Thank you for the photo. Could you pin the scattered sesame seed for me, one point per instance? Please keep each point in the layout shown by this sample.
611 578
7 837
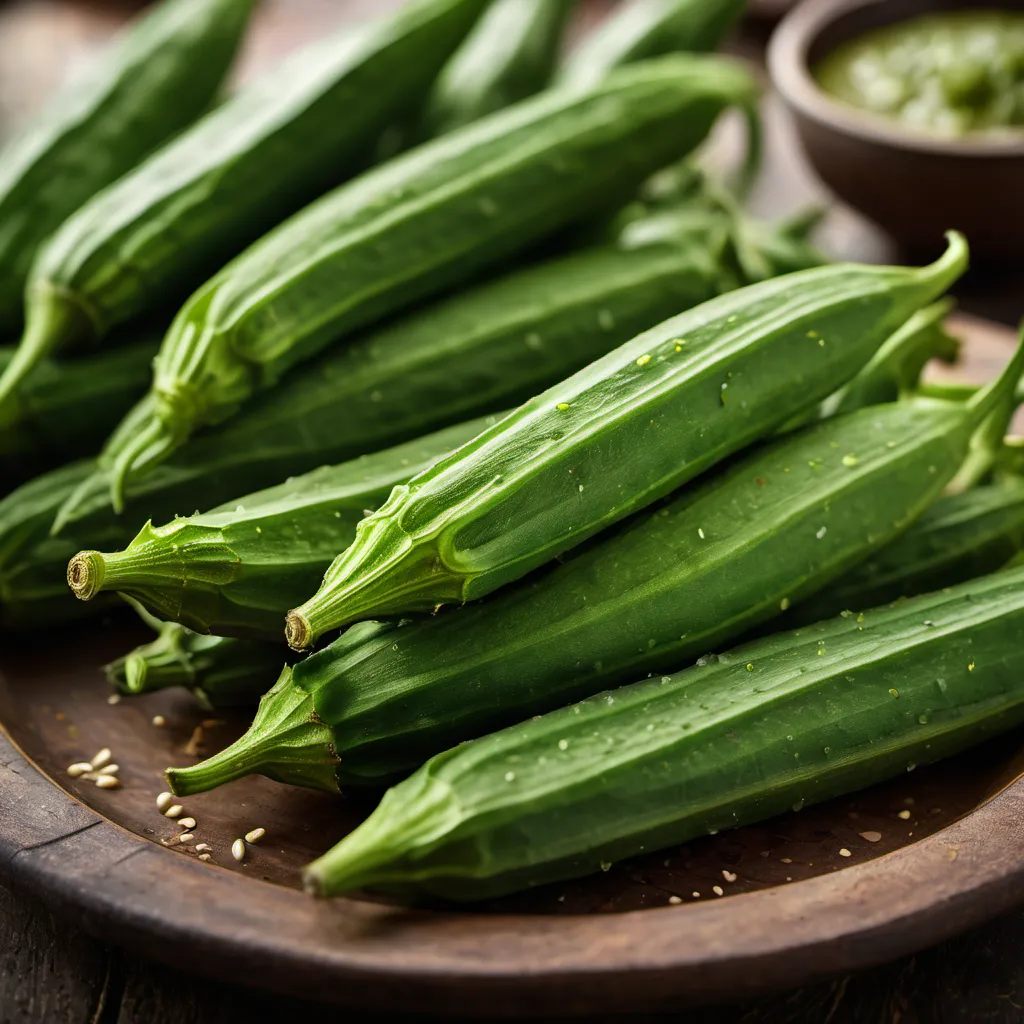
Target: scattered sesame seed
255 835
844 852
164 800
954 852
643 360
728 875
101 759
114 698
238 850
696 895
784 604
905 815
186 837
675 899
700 533
562 406
203 847
174 811
187 823
109 769
871 837
718 890
108 782
79 768
787 860
205 856
159 721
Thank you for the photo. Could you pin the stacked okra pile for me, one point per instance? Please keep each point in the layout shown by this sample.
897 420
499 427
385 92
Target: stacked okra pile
468 360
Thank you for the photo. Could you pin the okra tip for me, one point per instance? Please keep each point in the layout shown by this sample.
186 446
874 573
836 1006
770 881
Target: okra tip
286 742
85 575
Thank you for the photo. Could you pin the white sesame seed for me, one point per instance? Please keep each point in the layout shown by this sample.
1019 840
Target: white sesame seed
109 769
728 875
186 837
203 847
238 850
871 837
718 890
255 835
114 698
844 852
80 768
905 815
675 899
187 823
164 800
205 856
101 758
174 811
159 721
108 782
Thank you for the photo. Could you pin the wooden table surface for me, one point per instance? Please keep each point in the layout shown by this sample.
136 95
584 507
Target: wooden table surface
51 973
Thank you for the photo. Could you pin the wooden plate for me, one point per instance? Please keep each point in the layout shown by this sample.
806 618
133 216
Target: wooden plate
832 889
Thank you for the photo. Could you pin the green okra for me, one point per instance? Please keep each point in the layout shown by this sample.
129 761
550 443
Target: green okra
65 410
770 530
161 230
478 351
960 537
458 204
32 590
236 570
640 29
616 436
159 75
787 721
509 56
220 671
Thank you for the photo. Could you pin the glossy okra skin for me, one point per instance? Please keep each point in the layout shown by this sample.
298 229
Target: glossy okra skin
159 75
771 529
616 436
220 671
960 537
479 351
648 28
509 56
235 571
414 226
161 230
65 410
787 721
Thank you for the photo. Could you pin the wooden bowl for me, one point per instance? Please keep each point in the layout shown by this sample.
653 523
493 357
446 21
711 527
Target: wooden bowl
915 186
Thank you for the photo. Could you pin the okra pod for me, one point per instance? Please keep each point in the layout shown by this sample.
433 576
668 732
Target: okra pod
479 351
617 435
220 671
784 722
640 29
960 537
509 56
65 410
160 231
236 570
460 204
773 528
157 77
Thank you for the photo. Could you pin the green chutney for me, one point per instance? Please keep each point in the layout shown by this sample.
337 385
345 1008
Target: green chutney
956 73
